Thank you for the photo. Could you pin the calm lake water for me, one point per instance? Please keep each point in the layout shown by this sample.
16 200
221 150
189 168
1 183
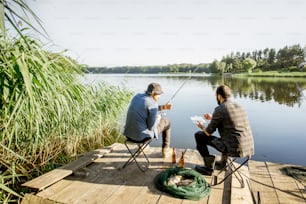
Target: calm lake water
276 108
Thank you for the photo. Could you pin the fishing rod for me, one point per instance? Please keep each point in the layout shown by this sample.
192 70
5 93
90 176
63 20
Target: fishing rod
181 86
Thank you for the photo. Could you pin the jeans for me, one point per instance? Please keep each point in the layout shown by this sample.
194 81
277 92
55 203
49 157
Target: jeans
202 141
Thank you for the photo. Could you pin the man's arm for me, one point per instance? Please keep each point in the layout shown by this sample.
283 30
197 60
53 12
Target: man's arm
202 127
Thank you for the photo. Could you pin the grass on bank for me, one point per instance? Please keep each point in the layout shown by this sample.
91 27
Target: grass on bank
278 74
289 72
47 117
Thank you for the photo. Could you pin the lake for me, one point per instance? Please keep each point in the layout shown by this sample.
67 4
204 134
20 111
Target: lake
276 108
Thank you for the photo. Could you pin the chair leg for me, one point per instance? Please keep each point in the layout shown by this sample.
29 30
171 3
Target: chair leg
134 155
237 174
234 170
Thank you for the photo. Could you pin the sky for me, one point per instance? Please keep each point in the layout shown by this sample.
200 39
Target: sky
160 32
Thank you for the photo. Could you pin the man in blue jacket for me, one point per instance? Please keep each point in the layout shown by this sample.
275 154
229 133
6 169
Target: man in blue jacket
143 119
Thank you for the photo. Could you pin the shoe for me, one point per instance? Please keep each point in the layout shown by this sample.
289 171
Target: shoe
209 161
204 170
166 152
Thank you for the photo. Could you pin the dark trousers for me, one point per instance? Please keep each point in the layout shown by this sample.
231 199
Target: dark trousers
164 129
202 142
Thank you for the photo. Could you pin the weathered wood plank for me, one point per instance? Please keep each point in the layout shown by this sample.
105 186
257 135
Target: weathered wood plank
111 182
58 174
192 158
241 195
261 183
48 179
149 193
286 188
219 193
55 188
33 199
139 186
216 194
82 186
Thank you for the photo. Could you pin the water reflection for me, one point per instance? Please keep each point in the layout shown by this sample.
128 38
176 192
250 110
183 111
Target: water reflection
281 90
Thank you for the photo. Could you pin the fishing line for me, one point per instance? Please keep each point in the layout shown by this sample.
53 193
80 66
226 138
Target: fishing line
182 85
163 113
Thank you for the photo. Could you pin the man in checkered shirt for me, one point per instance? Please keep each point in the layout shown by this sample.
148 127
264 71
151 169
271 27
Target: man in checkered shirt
235 139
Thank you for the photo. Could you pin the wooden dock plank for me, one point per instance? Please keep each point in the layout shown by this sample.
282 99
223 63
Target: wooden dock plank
48 179
286 187
104 186
241 195
108 182
192 158
58 174
216 195
261 183
149 194
219 193
138 183
105 183
84 185
34 199
54 189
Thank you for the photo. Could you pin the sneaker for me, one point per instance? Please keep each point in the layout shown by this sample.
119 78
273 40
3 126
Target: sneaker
204 170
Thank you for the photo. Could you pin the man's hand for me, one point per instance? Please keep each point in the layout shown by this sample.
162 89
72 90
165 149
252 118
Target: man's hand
207 116
200 125
167 106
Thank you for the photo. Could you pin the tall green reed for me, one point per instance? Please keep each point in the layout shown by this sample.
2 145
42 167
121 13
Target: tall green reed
47 115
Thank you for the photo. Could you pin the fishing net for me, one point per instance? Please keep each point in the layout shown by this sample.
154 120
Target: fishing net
182 183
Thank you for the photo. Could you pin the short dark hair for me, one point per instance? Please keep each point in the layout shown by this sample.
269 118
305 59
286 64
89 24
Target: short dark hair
224 91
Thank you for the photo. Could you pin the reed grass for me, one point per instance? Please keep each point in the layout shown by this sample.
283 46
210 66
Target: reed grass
47 116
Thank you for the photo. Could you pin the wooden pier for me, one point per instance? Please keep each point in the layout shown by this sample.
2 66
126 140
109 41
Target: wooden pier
96 178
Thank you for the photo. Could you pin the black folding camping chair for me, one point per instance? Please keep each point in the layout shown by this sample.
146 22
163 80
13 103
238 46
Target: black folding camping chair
233 170
141 145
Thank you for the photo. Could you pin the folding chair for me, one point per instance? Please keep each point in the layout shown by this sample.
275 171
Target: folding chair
141 145
234 170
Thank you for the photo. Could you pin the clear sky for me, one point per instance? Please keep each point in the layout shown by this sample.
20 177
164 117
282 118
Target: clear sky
160 32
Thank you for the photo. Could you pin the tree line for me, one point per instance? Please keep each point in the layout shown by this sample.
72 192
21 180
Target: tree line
154 69
268 59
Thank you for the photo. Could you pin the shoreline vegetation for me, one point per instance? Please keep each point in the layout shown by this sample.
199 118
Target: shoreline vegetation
48 117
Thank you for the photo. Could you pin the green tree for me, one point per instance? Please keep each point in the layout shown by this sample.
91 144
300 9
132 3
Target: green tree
249 64
213 68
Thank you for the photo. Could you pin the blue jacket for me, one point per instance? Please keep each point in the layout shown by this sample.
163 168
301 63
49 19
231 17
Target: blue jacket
141 118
